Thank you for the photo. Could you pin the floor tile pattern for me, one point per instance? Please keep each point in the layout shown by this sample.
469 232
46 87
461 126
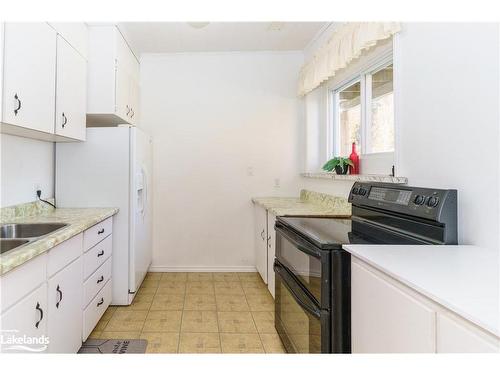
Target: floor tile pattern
197 313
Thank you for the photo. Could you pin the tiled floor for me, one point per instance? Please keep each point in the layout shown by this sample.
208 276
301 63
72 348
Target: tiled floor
197 313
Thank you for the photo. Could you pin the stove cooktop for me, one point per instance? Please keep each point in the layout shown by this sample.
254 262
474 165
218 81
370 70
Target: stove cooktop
332 233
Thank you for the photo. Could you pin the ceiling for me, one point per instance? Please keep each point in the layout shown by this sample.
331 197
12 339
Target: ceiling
168 37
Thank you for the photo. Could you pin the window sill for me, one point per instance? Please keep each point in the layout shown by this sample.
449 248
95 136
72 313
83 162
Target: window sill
356 177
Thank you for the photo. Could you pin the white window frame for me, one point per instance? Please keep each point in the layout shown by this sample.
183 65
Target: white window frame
363 76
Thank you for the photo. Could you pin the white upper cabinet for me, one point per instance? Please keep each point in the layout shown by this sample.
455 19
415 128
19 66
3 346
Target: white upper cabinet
113 73
71 92
76 34
29 76
44 80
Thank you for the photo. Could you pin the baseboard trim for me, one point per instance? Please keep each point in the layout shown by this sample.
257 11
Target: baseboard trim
202 269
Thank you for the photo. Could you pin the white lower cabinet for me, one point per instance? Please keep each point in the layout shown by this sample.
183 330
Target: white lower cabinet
44 298
271 251
26 318
260 240
454 335
386 320
389 317
96 309
65 309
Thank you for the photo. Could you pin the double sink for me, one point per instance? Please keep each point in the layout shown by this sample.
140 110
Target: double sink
13 236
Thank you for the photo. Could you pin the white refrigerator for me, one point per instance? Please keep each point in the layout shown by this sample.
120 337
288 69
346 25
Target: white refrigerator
112 168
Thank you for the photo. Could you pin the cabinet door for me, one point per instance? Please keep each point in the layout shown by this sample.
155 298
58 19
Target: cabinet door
260 220
271 251
385 319
27 317
122 88
71 98
29 75
75 33
65 316
134 100
455 336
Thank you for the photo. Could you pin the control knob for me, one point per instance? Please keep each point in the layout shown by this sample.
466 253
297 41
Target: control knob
432 201
419 200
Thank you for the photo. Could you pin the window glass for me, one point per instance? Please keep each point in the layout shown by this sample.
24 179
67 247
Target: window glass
381 127
349 118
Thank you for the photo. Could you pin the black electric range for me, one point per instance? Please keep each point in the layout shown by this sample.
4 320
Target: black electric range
312 303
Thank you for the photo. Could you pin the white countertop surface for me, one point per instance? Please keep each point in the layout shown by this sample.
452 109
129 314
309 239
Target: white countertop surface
464 279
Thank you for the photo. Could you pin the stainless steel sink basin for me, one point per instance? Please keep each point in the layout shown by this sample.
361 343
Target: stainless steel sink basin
9 244
32 230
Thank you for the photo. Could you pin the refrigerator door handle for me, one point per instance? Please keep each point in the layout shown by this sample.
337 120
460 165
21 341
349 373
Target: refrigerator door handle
145 191
142 192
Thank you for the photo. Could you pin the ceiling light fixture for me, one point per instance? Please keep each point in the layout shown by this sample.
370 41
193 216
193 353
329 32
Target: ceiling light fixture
198 25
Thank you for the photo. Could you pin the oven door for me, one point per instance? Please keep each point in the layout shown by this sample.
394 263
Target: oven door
302 326
309 264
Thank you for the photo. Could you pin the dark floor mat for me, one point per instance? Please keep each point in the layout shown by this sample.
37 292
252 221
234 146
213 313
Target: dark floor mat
113 346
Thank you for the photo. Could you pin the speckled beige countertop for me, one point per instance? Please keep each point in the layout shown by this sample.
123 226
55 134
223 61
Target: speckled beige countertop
79 219
309 203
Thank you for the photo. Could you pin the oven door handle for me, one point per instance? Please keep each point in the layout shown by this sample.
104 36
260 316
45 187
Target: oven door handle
296 240
310 308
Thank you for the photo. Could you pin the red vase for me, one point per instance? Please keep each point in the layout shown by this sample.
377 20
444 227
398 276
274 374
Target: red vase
355 160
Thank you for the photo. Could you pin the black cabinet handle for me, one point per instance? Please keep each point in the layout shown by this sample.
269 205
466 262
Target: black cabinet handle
132 115
65 120
128 109
16 110
58 289
100 302
100 253
262 234
41 314
100 280
101 231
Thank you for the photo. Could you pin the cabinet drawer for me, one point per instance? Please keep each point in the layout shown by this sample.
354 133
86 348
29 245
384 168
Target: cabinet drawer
22 280
96 256
96 281
96 309
63 254
97 233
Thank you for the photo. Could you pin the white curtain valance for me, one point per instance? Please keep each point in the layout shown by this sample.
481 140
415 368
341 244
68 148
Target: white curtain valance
346 44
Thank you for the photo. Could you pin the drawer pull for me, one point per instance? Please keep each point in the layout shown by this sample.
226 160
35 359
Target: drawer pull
100 253
100 280
101 231
41 314
100 302
58 289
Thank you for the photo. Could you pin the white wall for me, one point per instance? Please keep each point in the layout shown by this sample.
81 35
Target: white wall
447 115
25 163
214 116
447 120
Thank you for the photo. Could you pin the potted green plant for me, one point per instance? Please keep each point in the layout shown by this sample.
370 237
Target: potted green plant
339 164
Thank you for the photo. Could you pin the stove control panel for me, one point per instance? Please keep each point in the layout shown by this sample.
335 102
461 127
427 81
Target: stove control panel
426 203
